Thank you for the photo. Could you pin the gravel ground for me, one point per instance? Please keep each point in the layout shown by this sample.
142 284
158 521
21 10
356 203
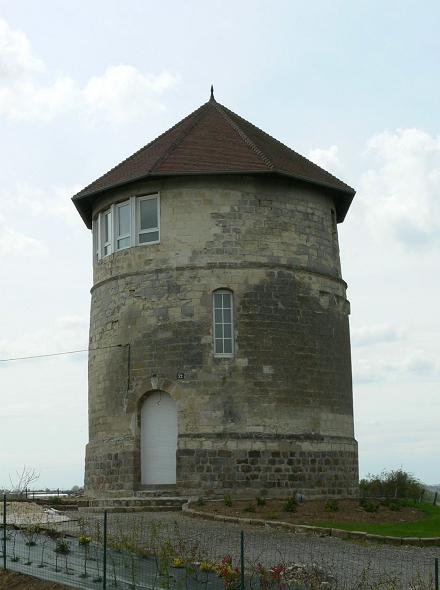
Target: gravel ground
348 561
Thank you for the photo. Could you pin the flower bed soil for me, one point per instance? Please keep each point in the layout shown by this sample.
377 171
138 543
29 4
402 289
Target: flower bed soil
14 581
311 512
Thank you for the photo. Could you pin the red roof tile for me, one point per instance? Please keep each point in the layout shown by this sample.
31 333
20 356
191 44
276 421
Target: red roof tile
213 140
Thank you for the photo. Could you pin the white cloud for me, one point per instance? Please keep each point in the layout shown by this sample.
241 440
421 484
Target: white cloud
16 58
326 158
415 364
367 335
399 192
121 93
14 242
54 202
65 334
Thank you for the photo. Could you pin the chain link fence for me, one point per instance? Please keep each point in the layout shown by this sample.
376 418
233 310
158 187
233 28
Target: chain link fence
155 552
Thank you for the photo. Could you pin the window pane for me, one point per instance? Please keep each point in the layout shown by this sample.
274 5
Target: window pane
150 237
107 226
227 316
227 331
148 214
227 346
124 220
218 316
123 243
217 300
218 331
227 300
219 346
107 249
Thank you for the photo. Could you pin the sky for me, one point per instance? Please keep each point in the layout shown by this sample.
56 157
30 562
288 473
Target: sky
354 86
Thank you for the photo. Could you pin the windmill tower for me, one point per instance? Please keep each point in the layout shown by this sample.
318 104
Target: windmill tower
219 336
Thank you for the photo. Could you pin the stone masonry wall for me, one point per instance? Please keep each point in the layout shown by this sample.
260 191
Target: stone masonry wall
279 414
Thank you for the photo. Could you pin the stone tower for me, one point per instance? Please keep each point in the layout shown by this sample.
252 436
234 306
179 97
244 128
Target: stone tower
219 337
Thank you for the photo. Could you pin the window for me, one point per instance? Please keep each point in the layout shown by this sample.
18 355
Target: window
106 232
223 323
123 225
131 223
148 220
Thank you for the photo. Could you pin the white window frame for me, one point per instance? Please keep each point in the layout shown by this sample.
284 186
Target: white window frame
96 238
135 231
139 199
109 211
223 354
118 236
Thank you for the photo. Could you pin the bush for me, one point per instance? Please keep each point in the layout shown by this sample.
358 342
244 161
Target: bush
331 506
391 484
200 501
291 505
227 500
249 508
368 505
261 501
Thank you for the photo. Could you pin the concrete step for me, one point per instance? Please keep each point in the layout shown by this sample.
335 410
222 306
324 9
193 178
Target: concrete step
135 504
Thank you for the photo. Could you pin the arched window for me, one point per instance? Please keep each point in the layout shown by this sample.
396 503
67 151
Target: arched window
223 323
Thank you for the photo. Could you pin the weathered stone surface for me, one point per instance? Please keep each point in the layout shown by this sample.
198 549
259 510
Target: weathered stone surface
278 416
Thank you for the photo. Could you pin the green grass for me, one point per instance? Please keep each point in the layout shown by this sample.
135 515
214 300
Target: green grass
427 526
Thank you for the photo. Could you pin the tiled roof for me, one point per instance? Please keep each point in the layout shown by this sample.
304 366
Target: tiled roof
213 140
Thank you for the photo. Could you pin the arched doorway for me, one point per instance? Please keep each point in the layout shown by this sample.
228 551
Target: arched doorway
158 439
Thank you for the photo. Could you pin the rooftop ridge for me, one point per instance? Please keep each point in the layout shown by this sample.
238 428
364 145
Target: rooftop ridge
297 154
222 110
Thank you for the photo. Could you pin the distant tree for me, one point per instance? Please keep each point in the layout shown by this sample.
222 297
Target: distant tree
391 484
23 479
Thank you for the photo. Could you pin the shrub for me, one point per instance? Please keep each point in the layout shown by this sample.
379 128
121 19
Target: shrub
200 501
391 484
291 505
62 547
177 562
369 506
227 500
55 500
261 501
331 506
249 508
207 566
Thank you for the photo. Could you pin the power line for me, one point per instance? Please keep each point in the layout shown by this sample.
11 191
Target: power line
39 356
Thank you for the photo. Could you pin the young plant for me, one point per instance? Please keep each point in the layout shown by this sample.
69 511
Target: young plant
61 548
291 505
84 542
228 573
331 506
30 532
227 500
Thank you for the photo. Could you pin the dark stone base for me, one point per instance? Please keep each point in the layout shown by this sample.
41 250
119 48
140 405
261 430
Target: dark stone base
277 466
316 468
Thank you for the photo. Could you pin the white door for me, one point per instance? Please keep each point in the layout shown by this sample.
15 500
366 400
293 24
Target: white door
158 439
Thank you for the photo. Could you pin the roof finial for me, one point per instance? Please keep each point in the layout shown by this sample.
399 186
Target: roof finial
212 93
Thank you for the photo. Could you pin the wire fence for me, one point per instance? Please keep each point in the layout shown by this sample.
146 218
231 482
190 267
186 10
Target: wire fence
144 551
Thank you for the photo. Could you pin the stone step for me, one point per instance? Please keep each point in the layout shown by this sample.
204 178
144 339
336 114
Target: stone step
157 491
135 504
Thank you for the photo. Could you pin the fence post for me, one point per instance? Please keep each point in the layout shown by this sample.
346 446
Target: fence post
104 555
435 499
4 531
241 560
436 573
